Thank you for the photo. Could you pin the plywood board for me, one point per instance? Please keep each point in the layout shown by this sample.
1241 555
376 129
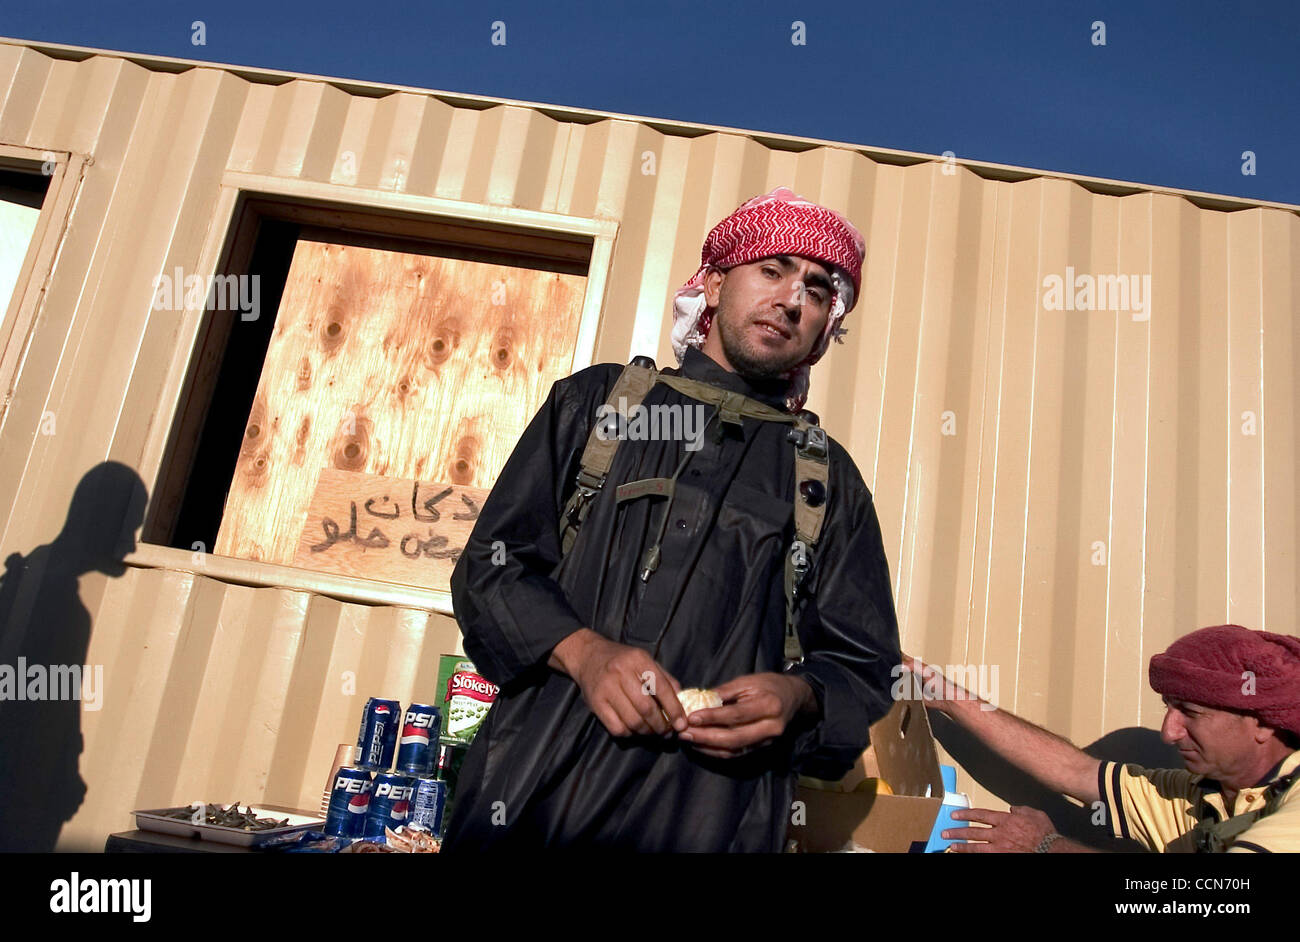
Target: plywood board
393 363
390 529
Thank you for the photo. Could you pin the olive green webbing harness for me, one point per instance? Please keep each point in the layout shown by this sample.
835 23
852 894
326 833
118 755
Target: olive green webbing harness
1212 836
811 473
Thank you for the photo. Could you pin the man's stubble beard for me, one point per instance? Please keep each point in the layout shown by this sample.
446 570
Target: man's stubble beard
741 354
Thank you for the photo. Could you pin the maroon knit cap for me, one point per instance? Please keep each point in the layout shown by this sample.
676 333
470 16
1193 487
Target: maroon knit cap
1207 667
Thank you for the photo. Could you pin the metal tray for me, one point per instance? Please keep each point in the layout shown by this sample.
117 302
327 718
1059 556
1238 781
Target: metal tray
155 820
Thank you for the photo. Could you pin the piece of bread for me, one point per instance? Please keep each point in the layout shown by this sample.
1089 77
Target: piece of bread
696 698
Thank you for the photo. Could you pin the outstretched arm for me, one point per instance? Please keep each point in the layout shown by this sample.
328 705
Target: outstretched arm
1054 761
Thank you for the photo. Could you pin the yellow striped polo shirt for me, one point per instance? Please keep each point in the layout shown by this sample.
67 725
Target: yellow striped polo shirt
1160 807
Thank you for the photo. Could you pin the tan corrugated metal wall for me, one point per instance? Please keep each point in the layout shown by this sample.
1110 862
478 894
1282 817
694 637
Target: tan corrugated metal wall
1008 445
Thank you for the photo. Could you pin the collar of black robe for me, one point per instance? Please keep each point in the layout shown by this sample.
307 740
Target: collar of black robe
701 366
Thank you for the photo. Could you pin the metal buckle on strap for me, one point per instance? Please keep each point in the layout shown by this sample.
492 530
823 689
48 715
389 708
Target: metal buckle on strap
814 443
573 519
811 442
589 486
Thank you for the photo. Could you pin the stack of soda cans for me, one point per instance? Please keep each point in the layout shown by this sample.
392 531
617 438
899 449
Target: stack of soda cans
371 795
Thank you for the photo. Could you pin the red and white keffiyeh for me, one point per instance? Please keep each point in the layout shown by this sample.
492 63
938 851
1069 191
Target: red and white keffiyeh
777 223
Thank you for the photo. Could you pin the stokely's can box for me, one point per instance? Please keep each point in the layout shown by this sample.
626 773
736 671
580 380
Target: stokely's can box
466 699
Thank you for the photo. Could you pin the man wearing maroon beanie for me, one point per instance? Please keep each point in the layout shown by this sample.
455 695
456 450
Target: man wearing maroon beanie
1233 710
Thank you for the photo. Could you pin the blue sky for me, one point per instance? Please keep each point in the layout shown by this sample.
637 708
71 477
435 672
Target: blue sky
1175 96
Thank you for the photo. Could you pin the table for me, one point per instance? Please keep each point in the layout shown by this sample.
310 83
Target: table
151 842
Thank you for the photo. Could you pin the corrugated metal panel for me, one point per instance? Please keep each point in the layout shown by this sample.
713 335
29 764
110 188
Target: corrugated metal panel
1073 434
216 692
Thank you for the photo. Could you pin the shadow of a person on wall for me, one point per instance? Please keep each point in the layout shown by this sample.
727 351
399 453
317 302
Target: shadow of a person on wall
1087 824
45 682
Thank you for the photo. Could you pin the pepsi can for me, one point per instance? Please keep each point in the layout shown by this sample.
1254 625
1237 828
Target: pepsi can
428 801
377 739
389 803
349 801
417 749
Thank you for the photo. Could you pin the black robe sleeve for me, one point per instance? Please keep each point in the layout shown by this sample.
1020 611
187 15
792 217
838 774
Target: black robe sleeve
510 610
849 633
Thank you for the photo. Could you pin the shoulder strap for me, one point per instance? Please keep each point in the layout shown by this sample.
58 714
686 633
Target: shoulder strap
598 455
1211 836
812 480
811 469
631 387
731 405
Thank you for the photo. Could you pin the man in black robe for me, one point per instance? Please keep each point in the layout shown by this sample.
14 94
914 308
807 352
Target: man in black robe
587 745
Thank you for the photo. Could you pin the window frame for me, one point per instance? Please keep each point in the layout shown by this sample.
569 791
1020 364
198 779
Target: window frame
227 247
38 264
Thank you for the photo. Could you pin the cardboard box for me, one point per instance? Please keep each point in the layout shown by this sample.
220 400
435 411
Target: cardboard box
901 753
